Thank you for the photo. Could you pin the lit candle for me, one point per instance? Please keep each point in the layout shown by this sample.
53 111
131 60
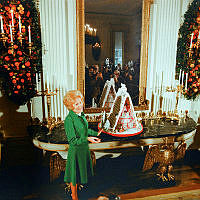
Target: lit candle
29 33
186 79
36 80
20 28
191 40
11 38
2 31
12 17
95 31
182 78
179 80
199 35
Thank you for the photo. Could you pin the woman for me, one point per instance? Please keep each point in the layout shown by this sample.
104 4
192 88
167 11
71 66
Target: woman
79 163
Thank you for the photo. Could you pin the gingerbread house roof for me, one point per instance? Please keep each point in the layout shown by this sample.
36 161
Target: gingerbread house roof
108 94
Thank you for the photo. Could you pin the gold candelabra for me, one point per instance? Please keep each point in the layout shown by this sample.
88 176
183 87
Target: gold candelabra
13 29
48 93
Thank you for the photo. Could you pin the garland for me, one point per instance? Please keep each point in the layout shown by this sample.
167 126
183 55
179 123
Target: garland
18 68
188 51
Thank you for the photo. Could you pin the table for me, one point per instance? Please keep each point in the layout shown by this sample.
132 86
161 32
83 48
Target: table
166 138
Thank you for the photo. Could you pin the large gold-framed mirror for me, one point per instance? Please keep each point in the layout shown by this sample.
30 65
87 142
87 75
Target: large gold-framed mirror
146 4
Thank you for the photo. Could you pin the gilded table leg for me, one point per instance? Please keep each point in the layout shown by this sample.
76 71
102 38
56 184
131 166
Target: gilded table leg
93 157
164 154
56 166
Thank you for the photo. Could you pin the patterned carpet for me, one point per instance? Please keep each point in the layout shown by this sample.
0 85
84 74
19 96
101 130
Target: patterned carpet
185 195
176 193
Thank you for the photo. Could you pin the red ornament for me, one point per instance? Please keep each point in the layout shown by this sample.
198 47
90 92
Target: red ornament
19 53
28 14
10 51
17 64
27 64
28 74
16 92
15 46
11 73
18 87
190 80
22 80
7 58
21 58
7 8
14 81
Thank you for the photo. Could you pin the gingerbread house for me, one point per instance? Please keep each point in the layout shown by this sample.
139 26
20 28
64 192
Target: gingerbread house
108 94
122 120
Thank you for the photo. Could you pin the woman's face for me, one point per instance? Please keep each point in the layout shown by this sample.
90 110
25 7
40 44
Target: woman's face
78 106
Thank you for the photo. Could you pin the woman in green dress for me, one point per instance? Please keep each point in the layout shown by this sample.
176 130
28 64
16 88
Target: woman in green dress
79 163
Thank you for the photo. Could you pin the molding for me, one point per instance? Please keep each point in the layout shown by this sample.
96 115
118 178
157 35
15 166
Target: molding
80 35
144 49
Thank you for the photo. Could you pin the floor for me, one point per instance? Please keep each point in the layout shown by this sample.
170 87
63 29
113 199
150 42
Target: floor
24 175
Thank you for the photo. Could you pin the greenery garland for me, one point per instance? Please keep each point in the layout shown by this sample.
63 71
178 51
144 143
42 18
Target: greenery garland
18 68
187 61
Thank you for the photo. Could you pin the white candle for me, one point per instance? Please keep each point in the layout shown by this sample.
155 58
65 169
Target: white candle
191 40
2 31
29 33
12 18
95 31
186 79
20 28
36 80
199 35
11 38
179 80
182 78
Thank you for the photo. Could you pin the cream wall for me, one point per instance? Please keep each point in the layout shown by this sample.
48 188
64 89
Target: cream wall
104 23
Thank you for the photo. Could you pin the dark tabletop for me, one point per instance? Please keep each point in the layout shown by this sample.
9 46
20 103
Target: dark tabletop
152 128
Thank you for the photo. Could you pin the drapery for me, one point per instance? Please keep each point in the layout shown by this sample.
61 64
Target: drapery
58 28
165 20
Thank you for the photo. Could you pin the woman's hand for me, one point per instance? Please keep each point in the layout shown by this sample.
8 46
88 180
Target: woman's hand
94 139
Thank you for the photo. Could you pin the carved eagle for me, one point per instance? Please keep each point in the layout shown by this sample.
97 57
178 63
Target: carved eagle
164 155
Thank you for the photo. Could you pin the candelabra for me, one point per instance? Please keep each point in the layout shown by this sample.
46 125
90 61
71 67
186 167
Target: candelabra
90 31
12 31
48 94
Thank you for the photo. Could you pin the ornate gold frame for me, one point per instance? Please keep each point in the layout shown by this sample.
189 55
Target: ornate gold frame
144 48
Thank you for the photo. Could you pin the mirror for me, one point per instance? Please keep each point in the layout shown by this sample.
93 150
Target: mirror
137 52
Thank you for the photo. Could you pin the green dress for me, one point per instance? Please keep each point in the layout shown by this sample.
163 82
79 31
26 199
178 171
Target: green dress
79 163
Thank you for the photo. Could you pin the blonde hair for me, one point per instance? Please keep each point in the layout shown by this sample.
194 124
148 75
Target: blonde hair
70 98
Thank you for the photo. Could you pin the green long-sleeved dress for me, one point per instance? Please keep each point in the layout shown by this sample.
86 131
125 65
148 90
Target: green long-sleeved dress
79 163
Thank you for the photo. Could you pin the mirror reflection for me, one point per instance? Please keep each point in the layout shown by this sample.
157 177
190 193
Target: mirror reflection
112 47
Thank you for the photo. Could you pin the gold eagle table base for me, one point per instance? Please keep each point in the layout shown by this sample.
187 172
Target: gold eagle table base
164 154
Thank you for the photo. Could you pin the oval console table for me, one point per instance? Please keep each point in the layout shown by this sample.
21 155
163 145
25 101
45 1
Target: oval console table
166 139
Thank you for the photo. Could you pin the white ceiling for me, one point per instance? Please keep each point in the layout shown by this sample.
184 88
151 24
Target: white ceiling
115 7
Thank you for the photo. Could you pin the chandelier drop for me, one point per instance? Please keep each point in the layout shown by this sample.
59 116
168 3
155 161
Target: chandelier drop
90 31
